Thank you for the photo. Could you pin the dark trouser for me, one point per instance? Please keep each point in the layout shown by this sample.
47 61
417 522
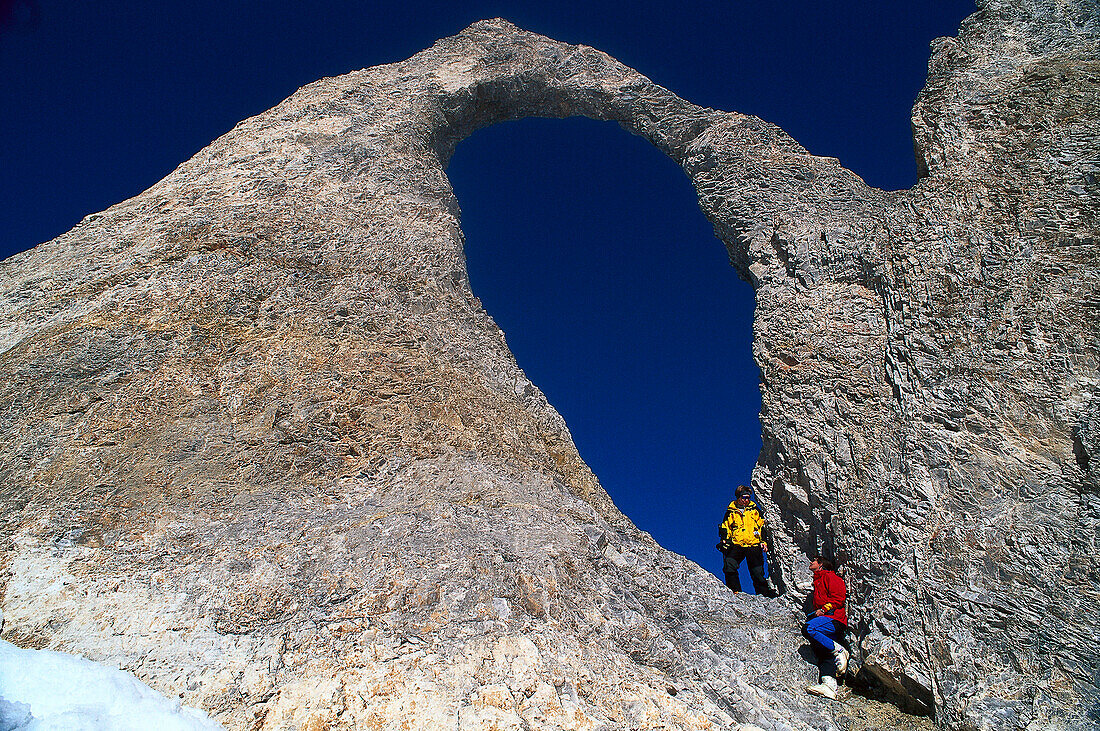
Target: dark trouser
755 557
824 634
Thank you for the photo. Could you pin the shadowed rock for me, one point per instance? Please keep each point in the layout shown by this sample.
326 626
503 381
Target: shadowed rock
263 447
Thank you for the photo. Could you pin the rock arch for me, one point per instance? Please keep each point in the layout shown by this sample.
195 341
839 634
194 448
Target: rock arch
247 404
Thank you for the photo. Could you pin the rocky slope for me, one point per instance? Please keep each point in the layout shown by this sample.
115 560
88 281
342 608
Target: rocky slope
262 446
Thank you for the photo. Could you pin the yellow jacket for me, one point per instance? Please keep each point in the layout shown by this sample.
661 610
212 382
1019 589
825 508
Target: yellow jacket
742 526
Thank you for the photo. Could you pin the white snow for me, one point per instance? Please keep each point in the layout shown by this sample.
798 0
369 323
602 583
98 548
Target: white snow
41 690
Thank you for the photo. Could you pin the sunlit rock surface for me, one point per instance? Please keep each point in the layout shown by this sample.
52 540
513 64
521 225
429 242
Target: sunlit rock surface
263 448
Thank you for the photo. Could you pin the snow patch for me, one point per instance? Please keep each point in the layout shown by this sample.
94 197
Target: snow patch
42 690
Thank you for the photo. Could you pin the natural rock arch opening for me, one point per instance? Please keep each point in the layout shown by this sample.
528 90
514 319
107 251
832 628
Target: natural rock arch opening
491 81
588 249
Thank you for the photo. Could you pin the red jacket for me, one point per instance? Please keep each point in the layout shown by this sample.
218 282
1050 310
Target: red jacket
829 594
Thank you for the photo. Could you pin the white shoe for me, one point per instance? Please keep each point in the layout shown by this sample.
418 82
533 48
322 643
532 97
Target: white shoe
826 688
841 656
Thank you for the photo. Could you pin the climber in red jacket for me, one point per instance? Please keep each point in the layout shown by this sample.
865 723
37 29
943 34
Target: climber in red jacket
826 626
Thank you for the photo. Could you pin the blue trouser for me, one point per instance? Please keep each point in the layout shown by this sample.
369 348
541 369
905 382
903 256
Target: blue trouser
824 634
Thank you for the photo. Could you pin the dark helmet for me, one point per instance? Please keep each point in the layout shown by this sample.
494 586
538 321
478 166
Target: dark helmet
743 491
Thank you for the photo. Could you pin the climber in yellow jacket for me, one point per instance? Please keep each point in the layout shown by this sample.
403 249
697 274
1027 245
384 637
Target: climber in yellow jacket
740 539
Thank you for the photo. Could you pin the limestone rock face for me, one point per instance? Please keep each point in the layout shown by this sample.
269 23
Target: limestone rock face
263 447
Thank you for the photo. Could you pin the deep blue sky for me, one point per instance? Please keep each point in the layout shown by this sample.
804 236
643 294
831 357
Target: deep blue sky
584 243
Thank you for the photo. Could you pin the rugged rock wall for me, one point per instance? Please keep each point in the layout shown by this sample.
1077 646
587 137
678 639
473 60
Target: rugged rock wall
263 446
928 418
